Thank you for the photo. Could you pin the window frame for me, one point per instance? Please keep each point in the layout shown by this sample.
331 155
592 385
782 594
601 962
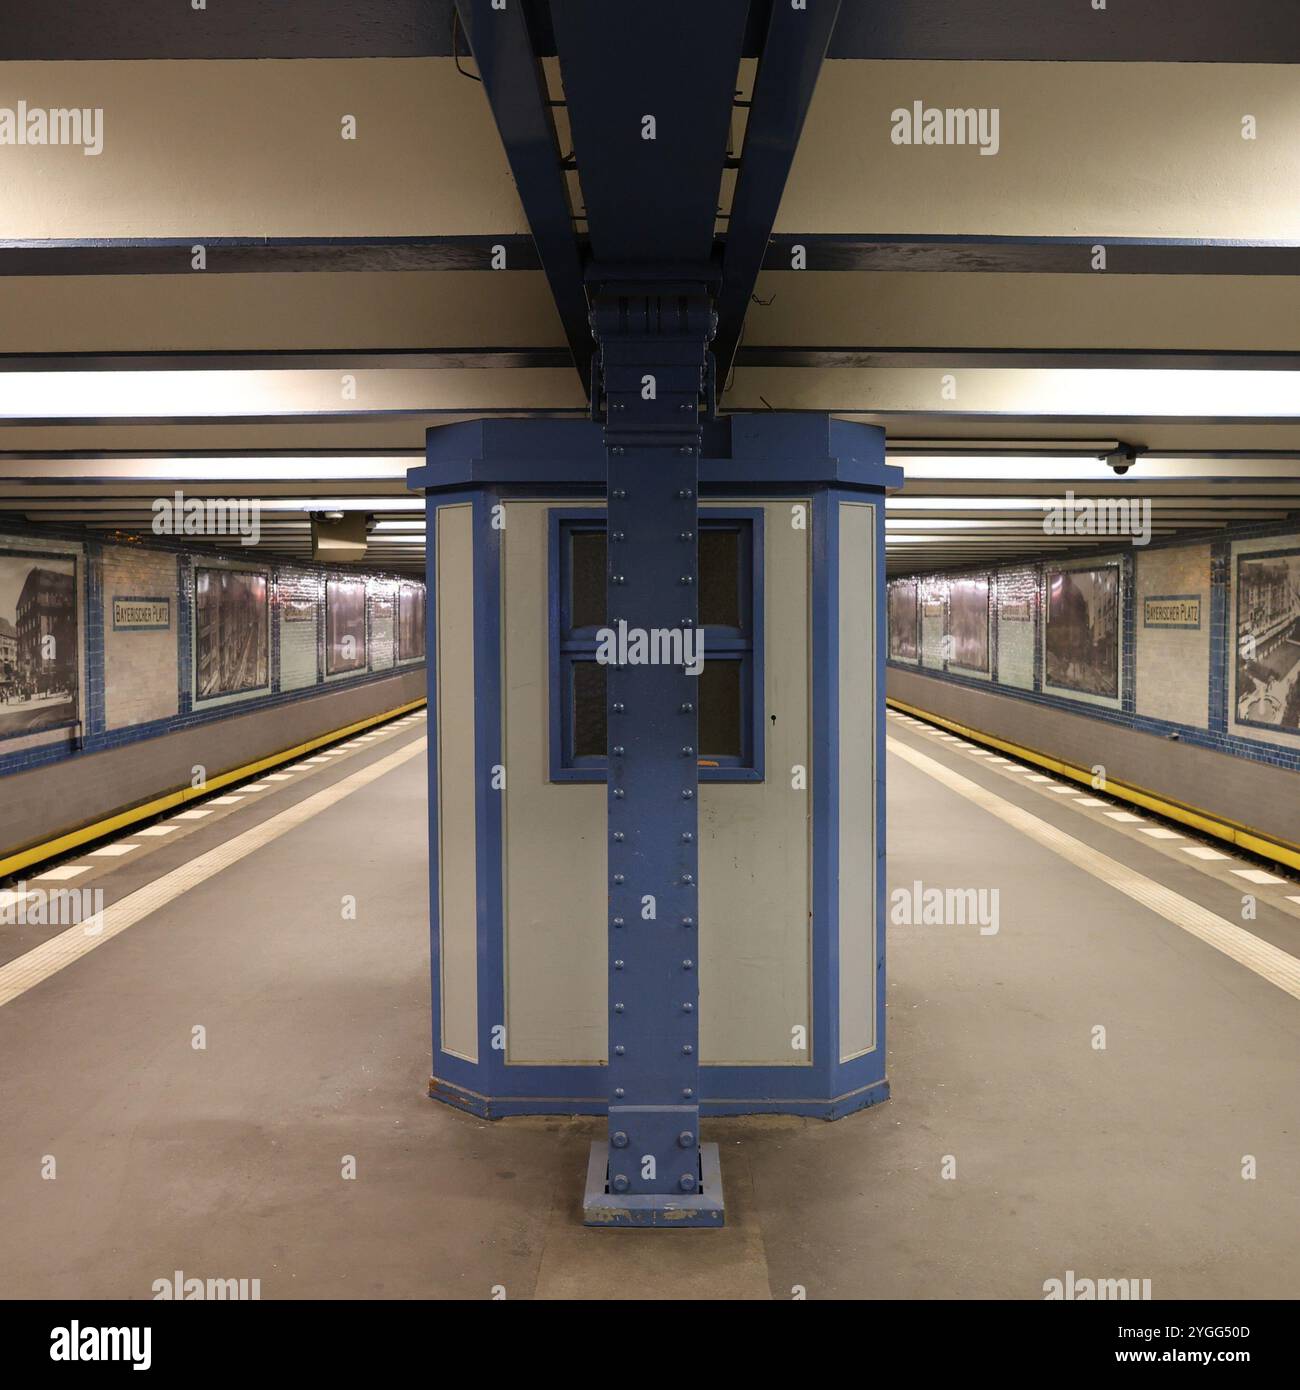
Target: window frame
565 646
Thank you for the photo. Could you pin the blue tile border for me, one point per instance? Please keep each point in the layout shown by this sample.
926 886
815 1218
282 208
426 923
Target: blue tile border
1216 737
92 735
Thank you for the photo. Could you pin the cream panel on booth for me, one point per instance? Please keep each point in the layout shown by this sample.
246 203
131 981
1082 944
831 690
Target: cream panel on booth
457 877
755 862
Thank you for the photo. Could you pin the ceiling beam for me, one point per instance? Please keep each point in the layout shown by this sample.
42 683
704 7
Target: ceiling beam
1209 31
1042 255
515 86
783 87
650 92
760 180
1155 31
233 255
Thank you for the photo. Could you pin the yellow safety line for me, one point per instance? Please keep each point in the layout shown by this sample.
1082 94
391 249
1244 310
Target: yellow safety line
1255 841
51 849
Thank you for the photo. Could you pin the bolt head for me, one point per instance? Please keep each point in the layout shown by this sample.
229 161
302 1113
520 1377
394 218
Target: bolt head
686 1138
618 1139
686 1182
619 1184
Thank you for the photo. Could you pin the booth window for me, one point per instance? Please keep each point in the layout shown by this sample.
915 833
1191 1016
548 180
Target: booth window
730 700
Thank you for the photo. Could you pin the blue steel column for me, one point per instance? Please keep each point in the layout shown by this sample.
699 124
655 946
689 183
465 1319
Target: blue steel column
653 351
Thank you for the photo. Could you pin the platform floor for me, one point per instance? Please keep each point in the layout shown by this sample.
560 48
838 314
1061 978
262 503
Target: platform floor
226 1160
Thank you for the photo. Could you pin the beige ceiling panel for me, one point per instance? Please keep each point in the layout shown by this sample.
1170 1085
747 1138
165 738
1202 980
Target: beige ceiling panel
239 148
1083 149
976 310
292 312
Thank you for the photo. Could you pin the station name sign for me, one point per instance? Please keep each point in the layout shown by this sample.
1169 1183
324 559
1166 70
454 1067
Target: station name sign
1177 610
141 614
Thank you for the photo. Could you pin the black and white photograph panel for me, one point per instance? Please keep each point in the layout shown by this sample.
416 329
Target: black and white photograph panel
1267 665
968 624
231 639
410 622
903 617
1083 630
38 642
345 626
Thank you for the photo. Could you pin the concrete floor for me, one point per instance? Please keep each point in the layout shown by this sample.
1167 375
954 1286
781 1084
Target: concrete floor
227 1162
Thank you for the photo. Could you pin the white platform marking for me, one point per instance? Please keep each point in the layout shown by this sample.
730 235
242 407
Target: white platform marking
113 851
51 956
1264 959
1202 852
62 873
1258 876
156 830
1126 816
1158 832
197 814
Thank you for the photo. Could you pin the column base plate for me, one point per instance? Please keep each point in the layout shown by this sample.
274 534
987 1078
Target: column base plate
601 1207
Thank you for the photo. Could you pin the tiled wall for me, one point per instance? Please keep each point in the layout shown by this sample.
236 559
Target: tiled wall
1014 606
301 599
1176 656
137 661
1172 677
140 683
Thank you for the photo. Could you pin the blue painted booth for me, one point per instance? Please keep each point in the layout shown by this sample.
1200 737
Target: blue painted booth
790 919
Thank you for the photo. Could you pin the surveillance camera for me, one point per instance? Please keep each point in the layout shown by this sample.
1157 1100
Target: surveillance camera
1123 458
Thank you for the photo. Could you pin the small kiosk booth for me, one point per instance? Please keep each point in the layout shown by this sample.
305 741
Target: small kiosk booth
786 973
